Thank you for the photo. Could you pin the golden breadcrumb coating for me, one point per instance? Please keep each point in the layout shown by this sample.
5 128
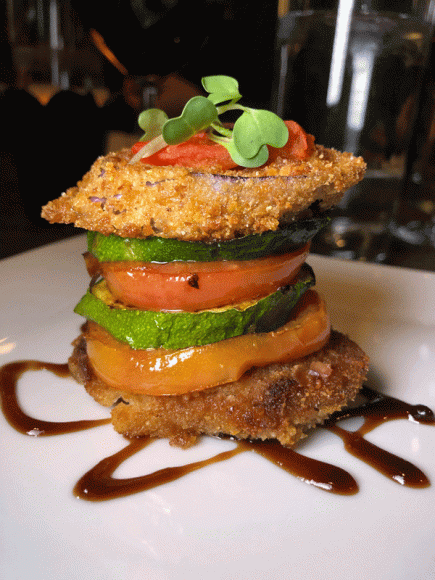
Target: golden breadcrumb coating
279 401
139 200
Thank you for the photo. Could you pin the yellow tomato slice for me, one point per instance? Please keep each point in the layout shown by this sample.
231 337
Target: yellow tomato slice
174 372
193 286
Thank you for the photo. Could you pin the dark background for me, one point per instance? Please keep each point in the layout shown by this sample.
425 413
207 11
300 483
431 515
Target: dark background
46 149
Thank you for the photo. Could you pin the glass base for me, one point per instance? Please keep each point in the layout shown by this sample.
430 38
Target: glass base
351 240
414 222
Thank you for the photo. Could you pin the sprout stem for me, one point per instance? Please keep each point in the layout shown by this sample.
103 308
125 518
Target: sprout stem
149 149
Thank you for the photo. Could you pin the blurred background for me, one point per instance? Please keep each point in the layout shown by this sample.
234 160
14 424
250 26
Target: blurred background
75 74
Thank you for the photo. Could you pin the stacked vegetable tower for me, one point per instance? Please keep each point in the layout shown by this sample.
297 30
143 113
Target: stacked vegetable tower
201 317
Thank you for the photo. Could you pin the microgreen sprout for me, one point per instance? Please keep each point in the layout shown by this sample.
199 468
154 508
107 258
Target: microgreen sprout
246 142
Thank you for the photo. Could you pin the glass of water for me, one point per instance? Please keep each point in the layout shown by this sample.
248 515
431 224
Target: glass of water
351 73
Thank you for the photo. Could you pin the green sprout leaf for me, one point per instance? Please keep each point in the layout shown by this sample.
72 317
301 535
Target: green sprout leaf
198 114
246 142
221 89
151 121
256 161
256 128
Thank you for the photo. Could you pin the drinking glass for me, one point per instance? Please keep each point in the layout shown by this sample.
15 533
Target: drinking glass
351 73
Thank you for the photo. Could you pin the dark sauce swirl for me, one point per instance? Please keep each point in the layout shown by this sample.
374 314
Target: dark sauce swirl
98 483
9 376
377 410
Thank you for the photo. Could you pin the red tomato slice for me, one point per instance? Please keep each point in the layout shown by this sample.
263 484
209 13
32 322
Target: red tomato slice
174 372
300 144
193 286
198 152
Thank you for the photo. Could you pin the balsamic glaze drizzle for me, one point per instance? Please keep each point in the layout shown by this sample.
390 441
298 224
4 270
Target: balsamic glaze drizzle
98 484
9 376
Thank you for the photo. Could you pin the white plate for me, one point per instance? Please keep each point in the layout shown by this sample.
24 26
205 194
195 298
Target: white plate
240 519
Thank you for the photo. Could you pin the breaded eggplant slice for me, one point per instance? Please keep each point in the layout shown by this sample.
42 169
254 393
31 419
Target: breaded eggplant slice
139 200
280 401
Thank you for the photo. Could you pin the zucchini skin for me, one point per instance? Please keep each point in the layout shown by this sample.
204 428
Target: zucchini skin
113 248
